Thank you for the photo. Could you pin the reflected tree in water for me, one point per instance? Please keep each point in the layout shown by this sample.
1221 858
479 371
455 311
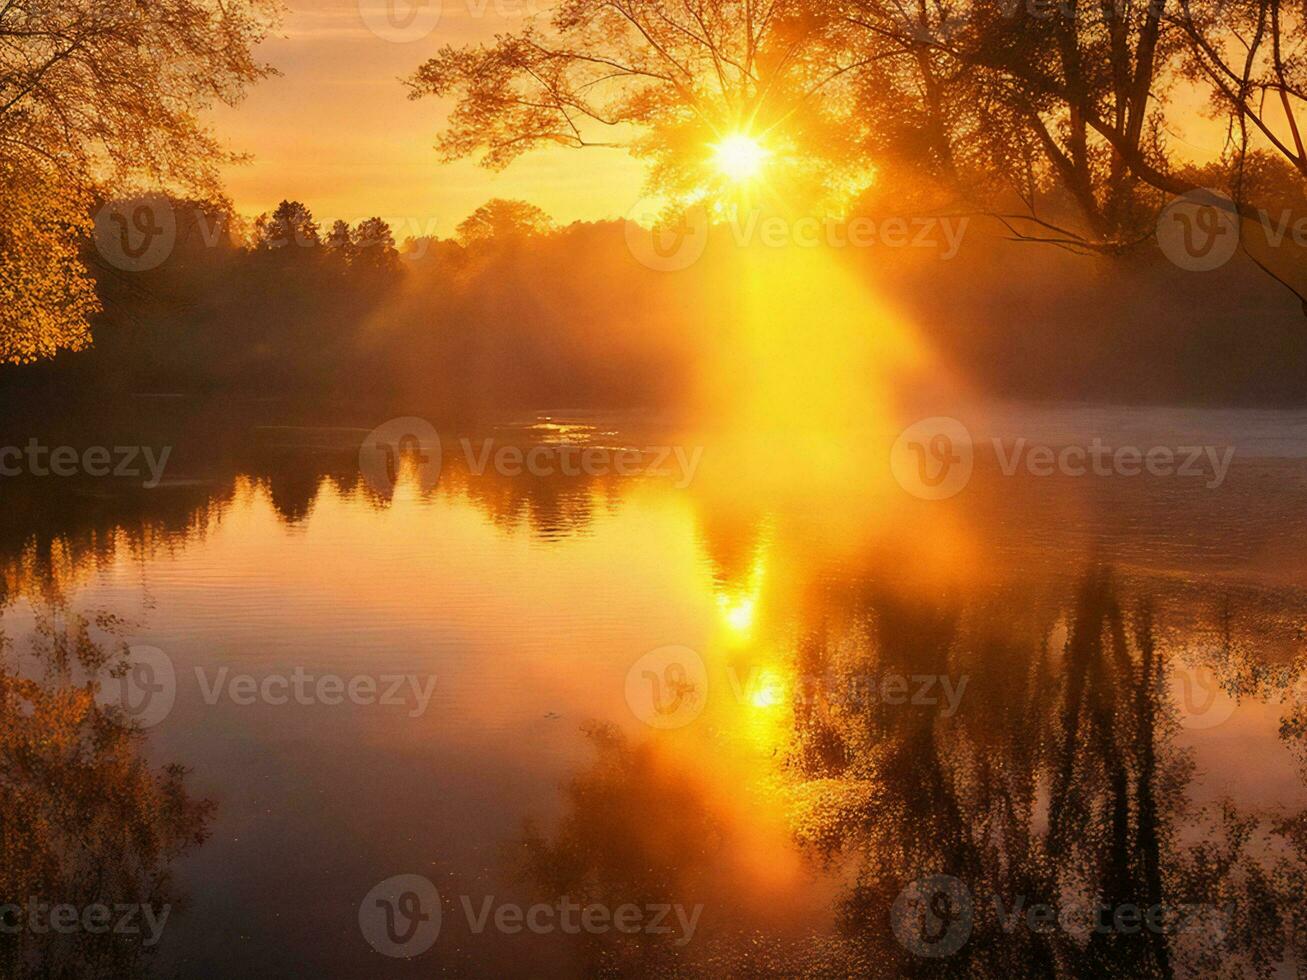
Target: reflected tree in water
636 830
85 819
1058 782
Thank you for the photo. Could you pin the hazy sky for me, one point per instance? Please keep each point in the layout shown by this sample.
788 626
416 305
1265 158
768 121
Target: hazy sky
337 131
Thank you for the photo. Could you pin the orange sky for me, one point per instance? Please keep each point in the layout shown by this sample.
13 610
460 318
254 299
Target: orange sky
337 131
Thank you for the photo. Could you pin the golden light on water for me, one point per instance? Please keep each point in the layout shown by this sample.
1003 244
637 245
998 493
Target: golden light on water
770 691
740 157
739 613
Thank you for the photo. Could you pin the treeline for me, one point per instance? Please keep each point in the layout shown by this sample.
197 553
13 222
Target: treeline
511 314
266 310
515 313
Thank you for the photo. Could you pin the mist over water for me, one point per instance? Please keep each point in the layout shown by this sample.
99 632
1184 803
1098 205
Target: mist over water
876 678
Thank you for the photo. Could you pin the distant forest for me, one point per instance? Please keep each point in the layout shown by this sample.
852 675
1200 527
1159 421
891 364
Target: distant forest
514 312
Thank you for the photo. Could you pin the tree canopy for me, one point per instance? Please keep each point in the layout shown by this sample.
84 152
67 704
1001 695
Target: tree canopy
1053 118
100 96
500 219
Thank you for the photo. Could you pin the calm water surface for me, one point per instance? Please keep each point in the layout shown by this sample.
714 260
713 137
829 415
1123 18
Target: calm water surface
1060 690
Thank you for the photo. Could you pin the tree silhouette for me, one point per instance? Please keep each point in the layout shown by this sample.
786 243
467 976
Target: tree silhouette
503 220
1057 782
1048 118
102 96
340 242
291 224
375 255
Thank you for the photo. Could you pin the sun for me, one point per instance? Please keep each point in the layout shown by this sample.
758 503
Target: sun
740 157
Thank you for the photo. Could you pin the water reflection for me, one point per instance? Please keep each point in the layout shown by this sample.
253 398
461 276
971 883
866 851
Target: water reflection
1029 760
89 826
1058 782
1000 696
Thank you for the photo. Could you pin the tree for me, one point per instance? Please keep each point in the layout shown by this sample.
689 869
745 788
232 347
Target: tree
46 299
679 77
374 248
502 220
85 816
104 96
290 224
1049 117
966 93
1028 108
339 241
1247 54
